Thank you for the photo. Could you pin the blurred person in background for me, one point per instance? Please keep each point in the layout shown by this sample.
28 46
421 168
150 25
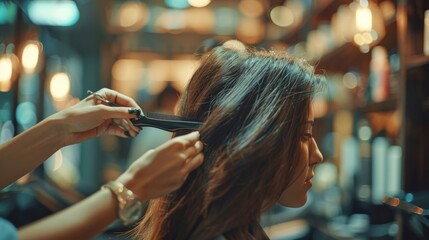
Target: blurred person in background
165 102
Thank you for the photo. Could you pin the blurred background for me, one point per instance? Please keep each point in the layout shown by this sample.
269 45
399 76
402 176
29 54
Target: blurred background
371 123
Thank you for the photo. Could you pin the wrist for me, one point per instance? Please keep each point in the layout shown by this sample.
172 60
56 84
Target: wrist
58 127
129 208
135 184
55 131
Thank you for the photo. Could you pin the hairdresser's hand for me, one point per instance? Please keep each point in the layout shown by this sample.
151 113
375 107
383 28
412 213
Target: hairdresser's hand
164 169
90 118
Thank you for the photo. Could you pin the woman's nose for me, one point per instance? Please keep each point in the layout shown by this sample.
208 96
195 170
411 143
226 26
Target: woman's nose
316 155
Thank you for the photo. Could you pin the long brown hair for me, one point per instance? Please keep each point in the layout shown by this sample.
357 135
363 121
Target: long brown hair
253 104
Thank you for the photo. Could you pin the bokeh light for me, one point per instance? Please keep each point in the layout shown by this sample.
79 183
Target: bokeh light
133 16
60 86
180 4
26 114
53 13
127 75
250 30
282 16
251 8
194 16
350 80
31 56
172 21
5 71
9 70
7 131
199 3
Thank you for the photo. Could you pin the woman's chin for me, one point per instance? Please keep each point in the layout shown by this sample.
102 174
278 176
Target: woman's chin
295 203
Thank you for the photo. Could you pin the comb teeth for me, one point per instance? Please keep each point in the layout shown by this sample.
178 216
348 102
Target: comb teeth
166 122
162 116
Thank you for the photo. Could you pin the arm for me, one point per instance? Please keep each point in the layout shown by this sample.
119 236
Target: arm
83 121
26 151
156 173
83 220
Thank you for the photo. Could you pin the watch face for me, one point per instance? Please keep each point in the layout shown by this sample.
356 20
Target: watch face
131 212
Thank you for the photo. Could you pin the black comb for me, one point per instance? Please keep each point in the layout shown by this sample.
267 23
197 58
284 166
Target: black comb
171 123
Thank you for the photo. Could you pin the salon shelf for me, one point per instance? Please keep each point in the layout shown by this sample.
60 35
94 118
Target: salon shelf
384 106
347 56
417 61
318 15
341 59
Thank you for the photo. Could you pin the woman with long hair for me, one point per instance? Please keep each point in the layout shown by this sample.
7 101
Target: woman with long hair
259 150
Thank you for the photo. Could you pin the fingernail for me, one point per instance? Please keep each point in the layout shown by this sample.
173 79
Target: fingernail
127 133
199 146
134 111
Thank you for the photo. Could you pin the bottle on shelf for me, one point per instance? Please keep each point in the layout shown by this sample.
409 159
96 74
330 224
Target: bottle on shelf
379 74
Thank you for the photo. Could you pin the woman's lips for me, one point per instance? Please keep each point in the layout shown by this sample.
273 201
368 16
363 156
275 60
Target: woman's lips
308 182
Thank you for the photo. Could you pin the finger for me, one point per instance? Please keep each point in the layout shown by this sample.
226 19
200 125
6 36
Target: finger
134 128
118 98
189 139
114 129
121 116
194 163
127 126
122 123
180 143
191 151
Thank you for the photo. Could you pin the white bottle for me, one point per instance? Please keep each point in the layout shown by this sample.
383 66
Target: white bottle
379 74
393 171
379 152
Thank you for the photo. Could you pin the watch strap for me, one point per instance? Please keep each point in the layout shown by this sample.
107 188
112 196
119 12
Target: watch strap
123 195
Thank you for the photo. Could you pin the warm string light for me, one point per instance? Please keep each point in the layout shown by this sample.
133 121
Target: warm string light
199 3
9 68
5 69
369 24
31 57
363 17
59 86
30 63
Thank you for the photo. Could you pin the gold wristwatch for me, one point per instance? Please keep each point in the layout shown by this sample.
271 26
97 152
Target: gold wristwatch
130 208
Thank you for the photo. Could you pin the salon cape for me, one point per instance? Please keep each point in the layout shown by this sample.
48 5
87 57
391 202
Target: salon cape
7 230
